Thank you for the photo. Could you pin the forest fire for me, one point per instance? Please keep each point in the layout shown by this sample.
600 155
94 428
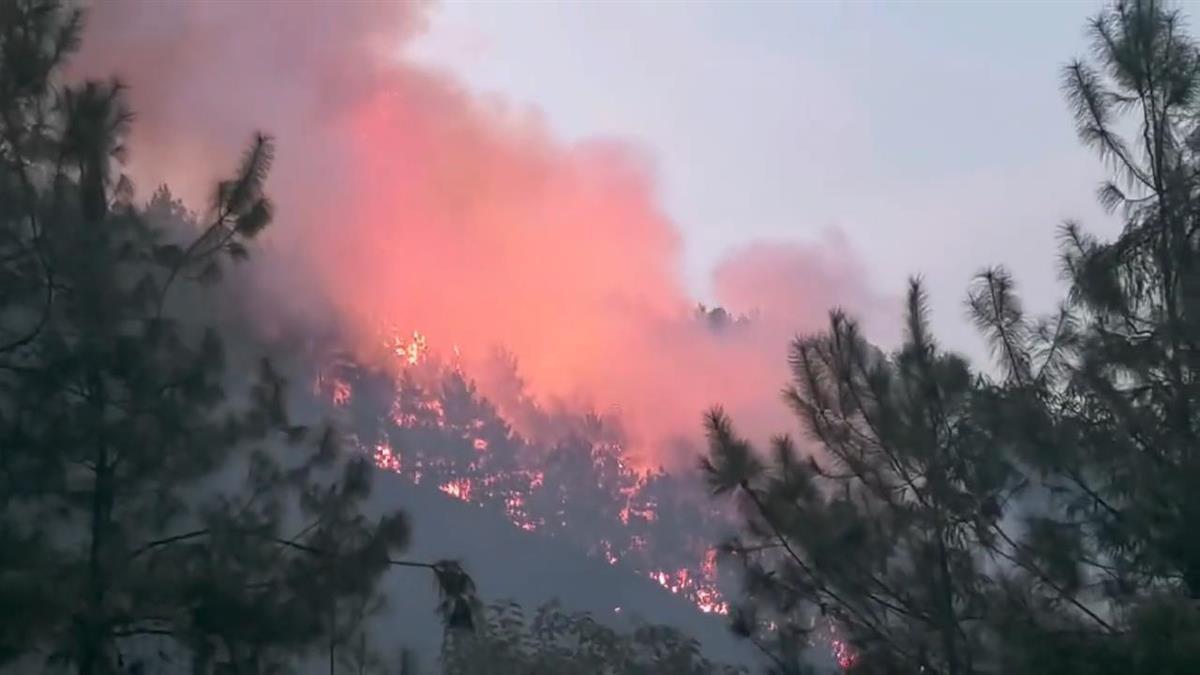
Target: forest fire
423 419
459 489
842 653
411 351
706 598
559 251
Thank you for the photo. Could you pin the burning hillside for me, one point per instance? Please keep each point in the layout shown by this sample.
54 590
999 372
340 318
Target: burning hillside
568 477
404 199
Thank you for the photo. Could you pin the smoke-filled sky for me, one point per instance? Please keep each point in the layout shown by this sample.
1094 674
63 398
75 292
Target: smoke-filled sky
933 134
566 180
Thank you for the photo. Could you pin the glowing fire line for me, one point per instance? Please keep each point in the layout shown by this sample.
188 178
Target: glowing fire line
698 585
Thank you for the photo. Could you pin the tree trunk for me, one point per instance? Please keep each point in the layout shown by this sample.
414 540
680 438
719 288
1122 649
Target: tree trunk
94 628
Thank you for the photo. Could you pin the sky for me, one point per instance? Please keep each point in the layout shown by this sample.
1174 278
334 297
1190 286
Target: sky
932 135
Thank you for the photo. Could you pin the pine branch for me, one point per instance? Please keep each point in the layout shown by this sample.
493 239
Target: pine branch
995 311
134 632
1045 578
240 200
1080 84
159 543
31 199
849 607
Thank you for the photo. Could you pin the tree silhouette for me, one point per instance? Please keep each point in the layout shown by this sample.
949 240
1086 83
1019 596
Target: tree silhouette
157 509
883 532
1038 521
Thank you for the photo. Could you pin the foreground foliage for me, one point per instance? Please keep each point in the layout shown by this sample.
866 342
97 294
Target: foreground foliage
159 509
1038 521
554 641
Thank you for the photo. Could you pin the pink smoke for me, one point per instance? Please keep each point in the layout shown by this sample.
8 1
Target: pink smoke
407 201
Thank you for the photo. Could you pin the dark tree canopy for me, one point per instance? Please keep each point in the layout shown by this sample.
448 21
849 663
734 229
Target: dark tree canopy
162 509
159 510
1040 520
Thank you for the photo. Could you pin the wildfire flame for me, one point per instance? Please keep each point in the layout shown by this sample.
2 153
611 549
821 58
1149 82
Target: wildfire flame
411 351
701 588
459 489
461 443
469 427
842 652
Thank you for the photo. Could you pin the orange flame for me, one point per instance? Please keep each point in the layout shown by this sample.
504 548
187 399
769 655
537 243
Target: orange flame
459 489
521 492
411 352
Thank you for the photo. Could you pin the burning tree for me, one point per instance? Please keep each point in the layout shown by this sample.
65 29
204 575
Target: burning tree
155 505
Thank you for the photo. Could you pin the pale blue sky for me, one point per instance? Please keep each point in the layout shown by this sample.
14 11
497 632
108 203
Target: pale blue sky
933 134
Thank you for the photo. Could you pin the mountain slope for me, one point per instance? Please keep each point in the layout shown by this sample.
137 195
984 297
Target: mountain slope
509 563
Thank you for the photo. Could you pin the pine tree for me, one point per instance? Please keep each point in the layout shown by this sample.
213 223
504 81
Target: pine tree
157 510
1037 521
882 528
1115 447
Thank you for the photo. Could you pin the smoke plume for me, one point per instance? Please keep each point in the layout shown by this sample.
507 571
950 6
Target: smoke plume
408 203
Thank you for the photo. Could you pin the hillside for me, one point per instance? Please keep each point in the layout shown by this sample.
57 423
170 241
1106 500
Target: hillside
530 568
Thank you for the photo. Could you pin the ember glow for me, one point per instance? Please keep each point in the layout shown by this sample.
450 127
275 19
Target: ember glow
410 351
434 425
841 650
702 592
